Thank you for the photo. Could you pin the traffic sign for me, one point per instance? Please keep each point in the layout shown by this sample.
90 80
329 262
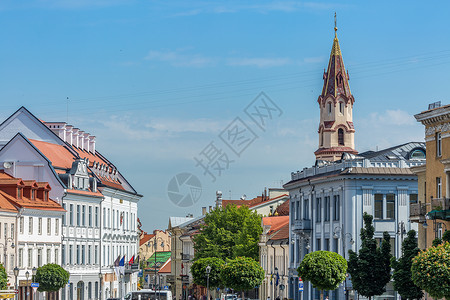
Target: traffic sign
35 284
166 287
16 291
34 289
300 286
141 273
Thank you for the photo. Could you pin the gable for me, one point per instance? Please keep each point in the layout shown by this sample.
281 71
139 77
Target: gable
25 122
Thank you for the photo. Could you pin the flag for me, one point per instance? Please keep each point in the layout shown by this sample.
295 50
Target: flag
116 266
122 265
277 279
131 261
137 260
271 278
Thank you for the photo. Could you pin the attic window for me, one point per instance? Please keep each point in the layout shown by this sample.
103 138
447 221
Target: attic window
19 193
33 194
417 154
45 195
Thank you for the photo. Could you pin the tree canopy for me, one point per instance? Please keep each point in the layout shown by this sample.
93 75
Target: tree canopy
242 274
228 233
198 270
431 270
3 278
324 269
51 278
402 269
370 268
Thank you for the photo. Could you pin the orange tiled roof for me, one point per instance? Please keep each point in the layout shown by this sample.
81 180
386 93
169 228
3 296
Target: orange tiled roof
5 205
59 155
275 223
145 239
167 267
81 192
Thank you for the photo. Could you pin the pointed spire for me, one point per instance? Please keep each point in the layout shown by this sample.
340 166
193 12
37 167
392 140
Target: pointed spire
336 78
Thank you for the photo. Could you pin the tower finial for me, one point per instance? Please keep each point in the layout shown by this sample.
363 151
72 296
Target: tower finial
335 25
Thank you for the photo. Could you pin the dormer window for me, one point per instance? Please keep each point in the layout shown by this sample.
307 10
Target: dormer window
19 193
33 194
45 195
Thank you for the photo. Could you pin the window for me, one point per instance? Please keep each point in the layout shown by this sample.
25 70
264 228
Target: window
40 226
391 242
378 213
63 254
21 258
96 290
70 254
12 230
96 216
5 227
417 154
341 136
413 198
336 208
89 254
438 144
327 245
71 214
64 215
321 138
78 215
56 256
318 245
21 225
78 254
306 209
30 225
341 107
327 208
336 245
45 195
104 217
49 255
96 254
318 210
114 218
49 226
109 218
39 257
390 206
19 193
30 258
438 187
90 216
90 290
83 215
33 194
57 227
329 108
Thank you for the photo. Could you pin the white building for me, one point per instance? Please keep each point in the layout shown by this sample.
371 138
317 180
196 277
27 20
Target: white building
101 219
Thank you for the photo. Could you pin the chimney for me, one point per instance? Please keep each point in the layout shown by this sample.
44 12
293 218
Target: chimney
204 210
75 137
69 132
92 144
81 139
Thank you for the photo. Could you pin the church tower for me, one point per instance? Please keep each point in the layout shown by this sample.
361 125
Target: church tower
336 131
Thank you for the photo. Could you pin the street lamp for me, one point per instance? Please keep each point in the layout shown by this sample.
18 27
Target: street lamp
27 274
100 277
5 247
33 271
338 229
16 273
208 271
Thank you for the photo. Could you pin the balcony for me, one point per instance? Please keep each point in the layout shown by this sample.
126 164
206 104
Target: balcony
301 225
417 212
440 204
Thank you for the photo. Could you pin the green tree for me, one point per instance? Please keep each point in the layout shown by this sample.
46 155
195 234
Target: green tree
198 270
51 278
370 268
228 233
241 274
446 236
3 278
436 242
431 270
402 269
324 269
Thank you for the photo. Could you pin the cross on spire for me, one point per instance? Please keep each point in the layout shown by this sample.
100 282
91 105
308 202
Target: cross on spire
335 24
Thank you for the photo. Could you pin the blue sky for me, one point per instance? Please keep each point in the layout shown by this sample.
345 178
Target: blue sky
157 81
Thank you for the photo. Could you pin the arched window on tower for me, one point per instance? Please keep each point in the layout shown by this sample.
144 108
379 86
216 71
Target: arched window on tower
341 107
329 108
341 137
321 138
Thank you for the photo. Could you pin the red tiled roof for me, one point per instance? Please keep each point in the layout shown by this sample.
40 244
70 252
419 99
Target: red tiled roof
283 209
88 193
283 233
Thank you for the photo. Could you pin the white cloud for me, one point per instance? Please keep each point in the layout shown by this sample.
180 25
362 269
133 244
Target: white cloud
180 59
392 117
259 62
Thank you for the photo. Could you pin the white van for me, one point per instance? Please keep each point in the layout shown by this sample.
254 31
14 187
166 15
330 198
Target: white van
228 297
148 294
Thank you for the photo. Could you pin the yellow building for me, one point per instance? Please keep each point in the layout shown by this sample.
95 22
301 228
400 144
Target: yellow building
432 209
